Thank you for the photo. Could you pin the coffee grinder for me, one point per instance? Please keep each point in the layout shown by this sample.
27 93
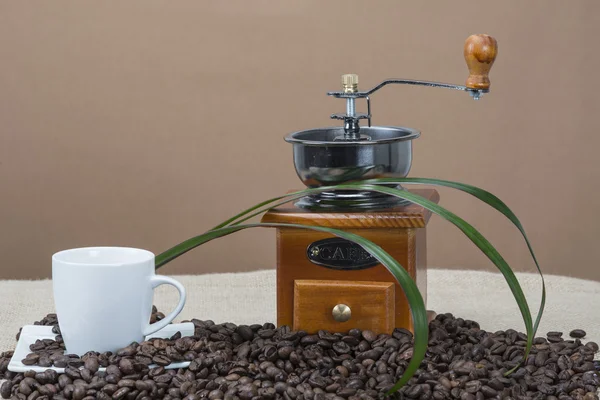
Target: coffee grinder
328 283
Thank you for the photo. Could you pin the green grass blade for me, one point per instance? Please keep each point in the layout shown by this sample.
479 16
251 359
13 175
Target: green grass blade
415 300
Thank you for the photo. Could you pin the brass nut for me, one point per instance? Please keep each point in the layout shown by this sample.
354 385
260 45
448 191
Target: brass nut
341 313
350 83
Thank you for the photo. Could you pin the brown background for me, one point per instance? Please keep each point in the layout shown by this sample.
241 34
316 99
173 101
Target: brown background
142 123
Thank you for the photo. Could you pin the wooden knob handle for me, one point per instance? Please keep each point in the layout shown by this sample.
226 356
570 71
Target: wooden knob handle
480 53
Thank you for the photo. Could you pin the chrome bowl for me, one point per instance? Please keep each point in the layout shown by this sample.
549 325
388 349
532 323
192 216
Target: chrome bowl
325 157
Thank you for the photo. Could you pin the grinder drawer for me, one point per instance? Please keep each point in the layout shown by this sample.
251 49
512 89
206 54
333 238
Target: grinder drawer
338 306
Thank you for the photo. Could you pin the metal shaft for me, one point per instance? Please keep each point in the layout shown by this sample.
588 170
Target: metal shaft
350 107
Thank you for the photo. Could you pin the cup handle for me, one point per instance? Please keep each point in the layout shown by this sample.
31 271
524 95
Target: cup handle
156 281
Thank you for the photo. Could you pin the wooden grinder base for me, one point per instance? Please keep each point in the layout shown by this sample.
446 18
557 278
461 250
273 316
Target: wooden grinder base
307 292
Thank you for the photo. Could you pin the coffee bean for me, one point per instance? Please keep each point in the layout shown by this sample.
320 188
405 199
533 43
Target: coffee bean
245 332
266 333
33 396
44 361
72 372
498 348
545 388
215 394
126 383
414 392
126 351
110 389
30 360
586 366
78 392
126 366
346 392
164 378
110 378
593 346
92 364
119 394
86 375
47 390
341 348
577 333
38 345
61 362
64 380
25 388
161 360
75 362
270 352
363 346
564 362
541 358
473 386
369 336
309 339
284 352
488 391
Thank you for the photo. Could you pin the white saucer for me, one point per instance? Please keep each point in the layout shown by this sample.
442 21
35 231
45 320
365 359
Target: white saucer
31 333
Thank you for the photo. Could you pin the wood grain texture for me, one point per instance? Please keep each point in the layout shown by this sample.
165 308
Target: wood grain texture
372 305
388 229
480 53
293 265
412 216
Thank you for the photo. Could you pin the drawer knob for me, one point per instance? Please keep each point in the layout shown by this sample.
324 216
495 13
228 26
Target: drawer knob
341 313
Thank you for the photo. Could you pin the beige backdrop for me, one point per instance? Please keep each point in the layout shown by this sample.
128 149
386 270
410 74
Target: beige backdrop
142 123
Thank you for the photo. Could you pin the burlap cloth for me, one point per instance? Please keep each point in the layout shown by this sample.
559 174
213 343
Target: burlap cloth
246 298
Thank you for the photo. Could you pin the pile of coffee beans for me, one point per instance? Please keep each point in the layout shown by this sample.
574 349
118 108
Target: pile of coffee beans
48 320
264 362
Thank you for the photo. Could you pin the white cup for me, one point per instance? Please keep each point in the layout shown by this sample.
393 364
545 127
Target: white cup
104 296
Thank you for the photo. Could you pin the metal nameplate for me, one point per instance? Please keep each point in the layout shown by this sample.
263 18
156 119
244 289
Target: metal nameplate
341 254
